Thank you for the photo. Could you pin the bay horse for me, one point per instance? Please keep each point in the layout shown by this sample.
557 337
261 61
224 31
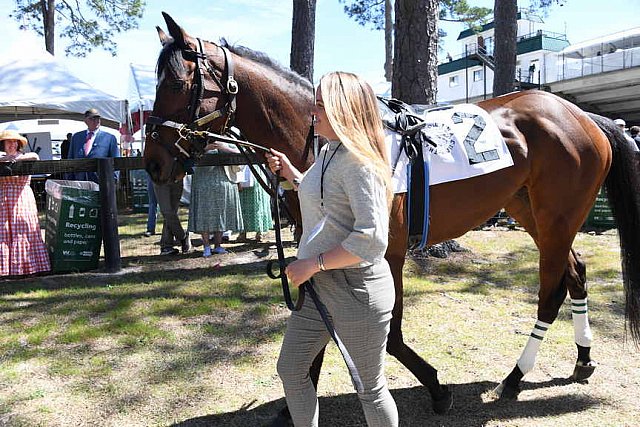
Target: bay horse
562 156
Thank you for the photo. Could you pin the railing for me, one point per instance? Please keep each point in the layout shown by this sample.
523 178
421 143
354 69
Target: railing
569 68
115 196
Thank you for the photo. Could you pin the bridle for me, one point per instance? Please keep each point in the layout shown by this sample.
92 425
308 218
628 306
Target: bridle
194 136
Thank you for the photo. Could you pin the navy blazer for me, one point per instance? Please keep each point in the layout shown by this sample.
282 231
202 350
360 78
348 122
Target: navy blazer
104 145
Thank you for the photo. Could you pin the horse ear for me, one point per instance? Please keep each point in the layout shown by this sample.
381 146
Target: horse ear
178 34
164 38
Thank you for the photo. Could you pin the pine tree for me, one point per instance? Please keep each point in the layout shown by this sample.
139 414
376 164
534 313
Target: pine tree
303 32
87 25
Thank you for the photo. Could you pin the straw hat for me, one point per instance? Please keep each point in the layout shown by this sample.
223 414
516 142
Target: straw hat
12 134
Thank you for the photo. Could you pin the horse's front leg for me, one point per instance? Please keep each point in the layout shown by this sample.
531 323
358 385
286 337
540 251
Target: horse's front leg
395 256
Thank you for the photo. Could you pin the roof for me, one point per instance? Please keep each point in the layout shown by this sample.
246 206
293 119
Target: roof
621 40
35 85
142 87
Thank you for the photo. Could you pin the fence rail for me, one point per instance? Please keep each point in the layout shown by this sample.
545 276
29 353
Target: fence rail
42 170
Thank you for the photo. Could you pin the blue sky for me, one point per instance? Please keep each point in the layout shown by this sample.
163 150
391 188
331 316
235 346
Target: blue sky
265 25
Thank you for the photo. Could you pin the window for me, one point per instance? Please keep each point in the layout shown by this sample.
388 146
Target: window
478 75
454 81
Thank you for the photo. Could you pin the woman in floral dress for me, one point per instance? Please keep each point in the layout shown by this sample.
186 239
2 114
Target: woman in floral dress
215 203
22 250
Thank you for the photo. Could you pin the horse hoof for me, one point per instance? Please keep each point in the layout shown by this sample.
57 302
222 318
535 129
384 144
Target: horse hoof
583 370
507 392
443 404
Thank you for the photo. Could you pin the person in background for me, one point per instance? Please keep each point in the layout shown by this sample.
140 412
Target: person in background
634 132
622 125
64 147
92 143
168 197
126 140
22 250
152 212
215 203
344 200
256 206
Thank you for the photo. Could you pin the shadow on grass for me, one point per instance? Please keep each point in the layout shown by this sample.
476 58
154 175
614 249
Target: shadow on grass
414 408
513 271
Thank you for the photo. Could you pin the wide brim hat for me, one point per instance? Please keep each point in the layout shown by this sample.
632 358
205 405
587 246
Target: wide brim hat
13 134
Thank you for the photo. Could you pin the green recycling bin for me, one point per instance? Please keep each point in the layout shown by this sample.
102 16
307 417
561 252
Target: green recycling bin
601 215
139 194
72 233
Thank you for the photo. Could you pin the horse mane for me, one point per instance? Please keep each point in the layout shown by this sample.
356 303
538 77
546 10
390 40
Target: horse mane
262 58
169 56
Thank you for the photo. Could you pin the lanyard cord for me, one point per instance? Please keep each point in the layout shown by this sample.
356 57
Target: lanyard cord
324 169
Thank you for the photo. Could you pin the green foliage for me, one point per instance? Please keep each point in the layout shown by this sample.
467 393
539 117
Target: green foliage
544 5
371 12
87 25
461 11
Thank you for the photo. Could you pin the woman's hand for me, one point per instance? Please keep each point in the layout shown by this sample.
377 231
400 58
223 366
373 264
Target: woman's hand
301 270
279 163
221 147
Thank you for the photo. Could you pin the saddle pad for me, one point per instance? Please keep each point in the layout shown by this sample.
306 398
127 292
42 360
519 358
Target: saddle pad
467 142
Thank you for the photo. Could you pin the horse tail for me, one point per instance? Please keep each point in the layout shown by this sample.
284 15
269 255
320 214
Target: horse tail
623 191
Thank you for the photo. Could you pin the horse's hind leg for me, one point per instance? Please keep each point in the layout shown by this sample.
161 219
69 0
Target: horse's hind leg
557 274
575 281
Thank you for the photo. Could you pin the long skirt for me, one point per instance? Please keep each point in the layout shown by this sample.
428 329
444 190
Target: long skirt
215 203
256 208
22 250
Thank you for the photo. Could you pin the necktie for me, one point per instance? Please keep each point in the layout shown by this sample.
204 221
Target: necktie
87 143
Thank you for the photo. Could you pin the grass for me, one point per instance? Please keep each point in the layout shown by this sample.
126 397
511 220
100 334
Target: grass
184 341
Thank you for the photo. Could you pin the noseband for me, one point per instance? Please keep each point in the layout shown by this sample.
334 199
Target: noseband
193 132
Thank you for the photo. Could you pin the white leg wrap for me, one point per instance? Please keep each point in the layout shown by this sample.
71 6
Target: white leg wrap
528 357
581 329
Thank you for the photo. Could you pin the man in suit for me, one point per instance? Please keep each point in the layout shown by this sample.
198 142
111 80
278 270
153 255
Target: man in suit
92 143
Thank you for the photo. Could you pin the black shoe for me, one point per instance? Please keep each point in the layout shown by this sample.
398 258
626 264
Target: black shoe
169 251
149 233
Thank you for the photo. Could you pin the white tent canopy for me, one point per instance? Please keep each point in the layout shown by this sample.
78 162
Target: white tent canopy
38 86
142 88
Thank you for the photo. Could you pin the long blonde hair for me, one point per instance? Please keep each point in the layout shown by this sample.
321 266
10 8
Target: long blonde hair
352 111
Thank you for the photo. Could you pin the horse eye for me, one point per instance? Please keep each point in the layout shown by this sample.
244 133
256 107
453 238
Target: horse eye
154 135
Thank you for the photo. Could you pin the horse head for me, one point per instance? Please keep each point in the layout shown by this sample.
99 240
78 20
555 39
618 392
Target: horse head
203 86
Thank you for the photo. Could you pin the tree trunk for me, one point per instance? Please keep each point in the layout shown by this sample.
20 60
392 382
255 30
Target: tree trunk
48 20
302 37
388 40
415 64
505 13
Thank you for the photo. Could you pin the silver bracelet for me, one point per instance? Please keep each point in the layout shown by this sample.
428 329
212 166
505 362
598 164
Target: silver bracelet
321 263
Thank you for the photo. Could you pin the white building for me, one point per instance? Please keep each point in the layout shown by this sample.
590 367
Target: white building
601 75
469 76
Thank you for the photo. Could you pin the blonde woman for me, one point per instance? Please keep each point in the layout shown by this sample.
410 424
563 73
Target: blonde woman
344 199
